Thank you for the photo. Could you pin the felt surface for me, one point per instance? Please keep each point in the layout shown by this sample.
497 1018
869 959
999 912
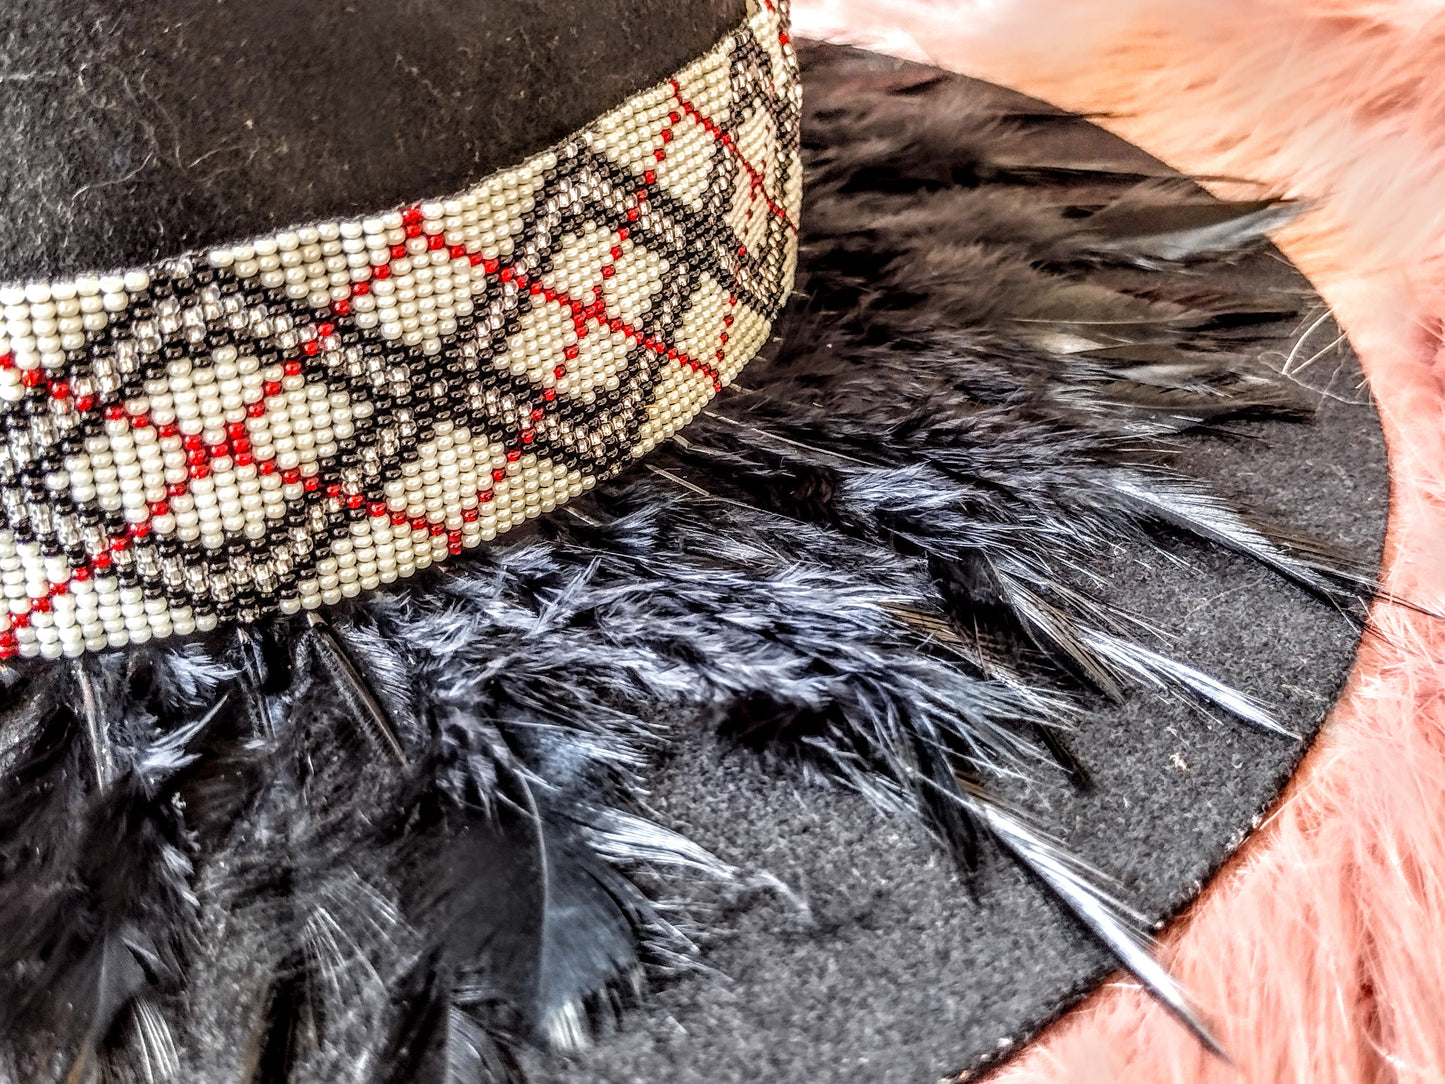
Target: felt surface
881 966
878 963
133 132
1326 938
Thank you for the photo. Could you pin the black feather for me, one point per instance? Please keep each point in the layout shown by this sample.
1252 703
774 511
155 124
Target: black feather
96 885
409 843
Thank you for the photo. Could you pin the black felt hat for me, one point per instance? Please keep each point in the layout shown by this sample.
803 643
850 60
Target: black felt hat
475 615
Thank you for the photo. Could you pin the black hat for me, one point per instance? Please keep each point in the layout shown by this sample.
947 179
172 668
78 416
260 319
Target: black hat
398 691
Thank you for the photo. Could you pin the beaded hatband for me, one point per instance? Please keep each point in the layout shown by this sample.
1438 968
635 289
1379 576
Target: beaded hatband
283 423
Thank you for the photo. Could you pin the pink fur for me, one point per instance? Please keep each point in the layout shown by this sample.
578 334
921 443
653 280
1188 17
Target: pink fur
1320 951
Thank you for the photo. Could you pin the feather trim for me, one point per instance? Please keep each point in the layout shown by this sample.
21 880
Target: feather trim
409 843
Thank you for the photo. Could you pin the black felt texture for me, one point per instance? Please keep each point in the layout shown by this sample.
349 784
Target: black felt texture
133 132
885 967
878 963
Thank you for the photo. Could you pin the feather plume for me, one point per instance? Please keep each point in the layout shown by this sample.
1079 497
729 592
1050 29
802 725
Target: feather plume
410 841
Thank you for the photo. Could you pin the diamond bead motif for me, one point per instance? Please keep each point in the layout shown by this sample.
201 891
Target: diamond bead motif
284 423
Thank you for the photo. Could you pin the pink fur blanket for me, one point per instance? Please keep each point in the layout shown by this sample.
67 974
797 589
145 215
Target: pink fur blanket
1320 951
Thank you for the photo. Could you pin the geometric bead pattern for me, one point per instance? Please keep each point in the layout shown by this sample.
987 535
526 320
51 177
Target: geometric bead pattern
281 424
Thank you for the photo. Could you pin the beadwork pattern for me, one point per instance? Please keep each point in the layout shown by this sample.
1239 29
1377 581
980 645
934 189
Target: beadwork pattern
281 424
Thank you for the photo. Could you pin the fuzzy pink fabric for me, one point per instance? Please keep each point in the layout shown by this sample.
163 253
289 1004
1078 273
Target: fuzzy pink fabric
1320 951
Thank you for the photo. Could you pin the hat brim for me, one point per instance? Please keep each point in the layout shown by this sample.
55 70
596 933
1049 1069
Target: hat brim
882 963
